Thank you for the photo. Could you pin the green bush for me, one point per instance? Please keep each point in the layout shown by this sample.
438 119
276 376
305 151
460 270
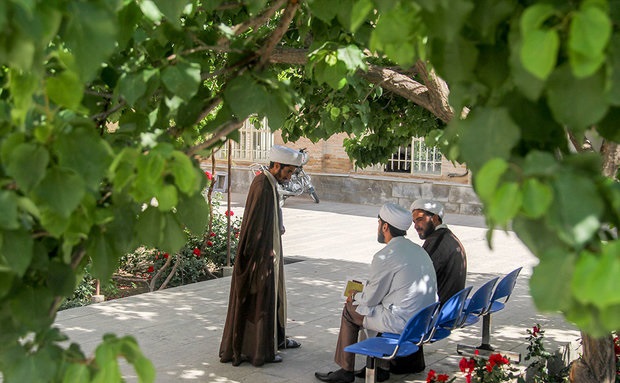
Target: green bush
198 260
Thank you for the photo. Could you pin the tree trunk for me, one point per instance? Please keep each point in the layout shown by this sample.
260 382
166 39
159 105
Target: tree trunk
598 363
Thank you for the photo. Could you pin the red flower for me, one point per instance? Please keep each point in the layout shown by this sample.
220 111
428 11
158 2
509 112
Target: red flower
212 234
209 175
197 252
156 256
535 330
209 243
496 359
467 365
229 212
150 269
431 376
166 255
442 378
617 345
468 378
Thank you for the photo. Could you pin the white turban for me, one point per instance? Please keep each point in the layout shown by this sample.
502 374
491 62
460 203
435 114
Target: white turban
396 216
429 206
285 155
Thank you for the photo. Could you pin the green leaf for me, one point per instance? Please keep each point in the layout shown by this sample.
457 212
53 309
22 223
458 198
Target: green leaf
61 190
360 10
393 35
333 75
104 258
27 164
614 76
539 52
22 85
6 282
167 197
577 103
61 279
91 35
537 198
608 126
447 17
185 175
505 203
30 307
182 79
486 180
150 226
245 96
86 153
172 10
539 163
16 250
500 134
65 89
595 280
132 86
576 209
323 9
8 207
534 17
352 57
589 34
76 373
550 283
174 237
193 212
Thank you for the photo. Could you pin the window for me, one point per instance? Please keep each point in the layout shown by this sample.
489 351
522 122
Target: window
415 158
254 143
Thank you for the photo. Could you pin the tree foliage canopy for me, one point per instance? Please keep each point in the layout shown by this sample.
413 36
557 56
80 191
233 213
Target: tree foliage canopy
104 103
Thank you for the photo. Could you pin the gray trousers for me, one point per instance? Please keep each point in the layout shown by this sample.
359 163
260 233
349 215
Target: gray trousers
351 323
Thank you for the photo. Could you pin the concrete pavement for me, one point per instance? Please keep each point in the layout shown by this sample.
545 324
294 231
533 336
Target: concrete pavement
180 329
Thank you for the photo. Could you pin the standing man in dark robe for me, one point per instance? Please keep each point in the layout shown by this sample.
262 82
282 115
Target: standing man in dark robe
256 319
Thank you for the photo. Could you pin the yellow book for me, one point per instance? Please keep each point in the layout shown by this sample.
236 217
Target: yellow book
353 285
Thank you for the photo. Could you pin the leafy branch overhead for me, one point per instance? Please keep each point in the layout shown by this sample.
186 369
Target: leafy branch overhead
105 104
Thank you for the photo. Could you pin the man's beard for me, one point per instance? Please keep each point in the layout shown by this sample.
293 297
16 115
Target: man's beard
427 231
381 237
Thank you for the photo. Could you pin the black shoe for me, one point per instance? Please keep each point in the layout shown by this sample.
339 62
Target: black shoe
289 343
338 376
276 359
382 375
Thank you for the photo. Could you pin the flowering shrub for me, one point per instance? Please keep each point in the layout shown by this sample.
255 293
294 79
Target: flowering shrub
479 370
195 262
497 368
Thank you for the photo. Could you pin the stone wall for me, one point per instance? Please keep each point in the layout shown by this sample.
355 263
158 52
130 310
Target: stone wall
376 190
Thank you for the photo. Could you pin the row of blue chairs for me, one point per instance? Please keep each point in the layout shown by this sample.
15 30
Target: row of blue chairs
435 322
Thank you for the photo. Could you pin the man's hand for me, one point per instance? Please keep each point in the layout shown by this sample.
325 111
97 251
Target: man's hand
351 295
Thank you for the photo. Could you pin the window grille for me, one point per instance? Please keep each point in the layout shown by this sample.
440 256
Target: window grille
255 142
415 158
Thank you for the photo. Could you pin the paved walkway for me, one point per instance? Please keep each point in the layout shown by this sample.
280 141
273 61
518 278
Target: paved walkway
180 329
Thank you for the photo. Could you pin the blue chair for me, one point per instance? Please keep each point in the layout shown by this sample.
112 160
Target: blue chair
478 304
449 316
502 293
388 347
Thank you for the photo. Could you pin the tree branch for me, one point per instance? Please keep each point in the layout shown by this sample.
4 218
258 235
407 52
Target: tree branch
219 135
253 23
388 79
278 33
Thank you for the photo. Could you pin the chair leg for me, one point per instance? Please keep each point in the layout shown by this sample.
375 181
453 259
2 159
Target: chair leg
371 376
485 350
486 333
